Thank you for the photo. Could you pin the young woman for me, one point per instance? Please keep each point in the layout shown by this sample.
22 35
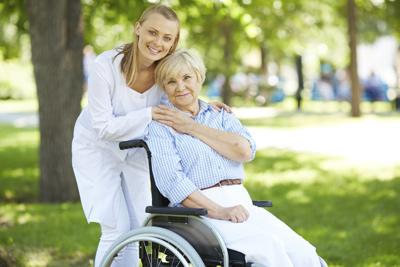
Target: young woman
122 101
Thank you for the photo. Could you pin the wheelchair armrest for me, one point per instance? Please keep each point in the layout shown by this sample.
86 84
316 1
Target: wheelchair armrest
262 204
176 210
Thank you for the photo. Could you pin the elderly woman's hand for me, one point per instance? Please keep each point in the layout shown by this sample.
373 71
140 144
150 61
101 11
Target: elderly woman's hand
173 118
236 214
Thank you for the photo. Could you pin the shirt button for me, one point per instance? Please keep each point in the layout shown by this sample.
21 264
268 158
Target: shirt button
142 96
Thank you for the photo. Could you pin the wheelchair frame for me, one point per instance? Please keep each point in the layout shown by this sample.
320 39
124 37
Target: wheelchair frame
179 234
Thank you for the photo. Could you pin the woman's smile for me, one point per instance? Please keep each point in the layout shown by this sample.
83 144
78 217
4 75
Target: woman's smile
183 95
153 51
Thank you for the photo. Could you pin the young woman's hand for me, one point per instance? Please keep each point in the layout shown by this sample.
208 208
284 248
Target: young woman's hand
173 118
218 106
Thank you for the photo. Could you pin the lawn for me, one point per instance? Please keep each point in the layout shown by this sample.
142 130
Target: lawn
348 210
34 234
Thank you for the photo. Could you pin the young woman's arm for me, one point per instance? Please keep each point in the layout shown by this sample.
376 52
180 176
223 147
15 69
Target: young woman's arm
218 106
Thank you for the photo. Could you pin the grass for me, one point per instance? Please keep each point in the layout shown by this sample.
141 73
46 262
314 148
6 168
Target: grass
19 164
348 210
34 234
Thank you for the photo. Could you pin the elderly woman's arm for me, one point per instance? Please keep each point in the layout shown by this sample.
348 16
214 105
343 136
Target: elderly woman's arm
236 214
228 144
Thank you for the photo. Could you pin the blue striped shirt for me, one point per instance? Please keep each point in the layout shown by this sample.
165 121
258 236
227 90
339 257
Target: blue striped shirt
183 164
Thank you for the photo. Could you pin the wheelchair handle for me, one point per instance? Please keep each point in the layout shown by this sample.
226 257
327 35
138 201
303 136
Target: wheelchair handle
133 144
158 198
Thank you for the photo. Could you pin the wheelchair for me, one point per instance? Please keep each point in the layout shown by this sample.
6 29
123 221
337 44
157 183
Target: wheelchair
177 236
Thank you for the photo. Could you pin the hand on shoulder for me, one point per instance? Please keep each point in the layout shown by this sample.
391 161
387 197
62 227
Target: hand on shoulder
218 106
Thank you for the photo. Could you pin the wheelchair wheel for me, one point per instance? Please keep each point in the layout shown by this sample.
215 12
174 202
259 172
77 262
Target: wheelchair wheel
157 247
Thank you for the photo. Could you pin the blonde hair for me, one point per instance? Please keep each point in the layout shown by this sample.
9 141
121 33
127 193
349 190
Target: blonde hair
129 62
171 65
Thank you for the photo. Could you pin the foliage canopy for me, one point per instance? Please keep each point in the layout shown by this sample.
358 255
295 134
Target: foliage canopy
279 29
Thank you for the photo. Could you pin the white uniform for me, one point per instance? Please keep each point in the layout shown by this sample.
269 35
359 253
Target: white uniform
114 113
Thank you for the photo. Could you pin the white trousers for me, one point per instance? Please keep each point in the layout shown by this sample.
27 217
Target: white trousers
128 219
263 238
114 192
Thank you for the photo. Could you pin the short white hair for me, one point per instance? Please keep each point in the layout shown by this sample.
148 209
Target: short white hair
171 65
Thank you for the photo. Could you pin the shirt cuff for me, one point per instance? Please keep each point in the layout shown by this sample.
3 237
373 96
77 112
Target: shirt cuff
181 191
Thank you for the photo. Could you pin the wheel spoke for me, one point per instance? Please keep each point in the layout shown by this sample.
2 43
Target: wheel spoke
158 252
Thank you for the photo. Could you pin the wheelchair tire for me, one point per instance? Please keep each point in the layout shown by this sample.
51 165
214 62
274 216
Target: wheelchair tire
157 247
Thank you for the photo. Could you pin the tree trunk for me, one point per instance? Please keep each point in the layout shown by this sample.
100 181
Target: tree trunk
355 84
263 57
226 29
56 32
299 69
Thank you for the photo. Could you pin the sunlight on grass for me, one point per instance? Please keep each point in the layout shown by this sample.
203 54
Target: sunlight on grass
337 205
38 259
26 137
19 169
9 194
14 173
27 218
385 224
298 196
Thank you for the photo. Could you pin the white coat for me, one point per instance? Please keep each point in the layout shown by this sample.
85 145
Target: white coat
114 113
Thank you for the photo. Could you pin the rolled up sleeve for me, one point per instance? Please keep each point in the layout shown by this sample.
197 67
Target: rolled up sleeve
167 168
231 124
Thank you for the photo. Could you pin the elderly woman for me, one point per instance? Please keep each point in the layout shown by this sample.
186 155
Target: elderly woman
190 173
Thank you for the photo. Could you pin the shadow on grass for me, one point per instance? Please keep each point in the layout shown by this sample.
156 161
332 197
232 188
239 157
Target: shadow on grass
353 220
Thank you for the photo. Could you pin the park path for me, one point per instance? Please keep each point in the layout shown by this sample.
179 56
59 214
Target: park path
370 140
20 119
